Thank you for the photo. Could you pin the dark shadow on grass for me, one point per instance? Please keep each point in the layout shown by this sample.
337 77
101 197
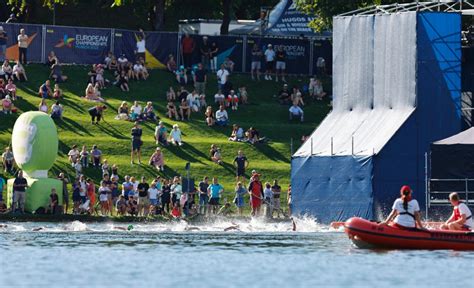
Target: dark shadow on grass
181 152
228 167
71 104
107 128
71 125
63 148
271 153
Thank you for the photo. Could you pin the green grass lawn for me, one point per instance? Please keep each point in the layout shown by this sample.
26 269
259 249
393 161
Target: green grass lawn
113 136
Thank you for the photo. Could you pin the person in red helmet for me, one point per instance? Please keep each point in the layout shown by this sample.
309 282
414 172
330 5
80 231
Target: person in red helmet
405 211
461 219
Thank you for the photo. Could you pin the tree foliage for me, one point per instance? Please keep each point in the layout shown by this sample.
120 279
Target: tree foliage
324 10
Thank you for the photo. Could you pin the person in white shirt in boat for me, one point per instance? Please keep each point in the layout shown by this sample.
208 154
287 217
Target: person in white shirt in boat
405 211
461 219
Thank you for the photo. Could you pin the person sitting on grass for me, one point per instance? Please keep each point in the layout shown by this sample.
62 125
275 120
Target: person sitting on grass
157 160
52 59
243 95
45 90
122 62
7 105
297 97
284 96
253 135
217 157
123 111
175 136
161 134
222 117
461 219
132 206
57 73
171 111
170 94
96 155
181 75
212 152
193 101
184 110
225 210
19 72
140 71
57 93
57 110
219 98
93 94
122 82
7 70
176 212
136 112
148 112
316 90
171 64
8 160
210 121
11 89
237 134
113 65
295 111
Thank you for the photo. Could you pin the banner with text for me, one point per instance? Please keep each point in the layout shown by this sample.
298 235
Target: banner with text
34 33
78 45
158 46
297 53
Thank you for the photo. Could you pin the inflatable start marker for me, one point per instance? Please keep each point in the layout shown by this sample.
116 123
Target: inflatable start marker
35 148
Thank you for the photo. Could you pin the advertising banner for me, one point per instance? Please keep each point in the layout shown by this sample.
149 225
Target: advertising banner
78 45
158 46
228 47
34 33
297 53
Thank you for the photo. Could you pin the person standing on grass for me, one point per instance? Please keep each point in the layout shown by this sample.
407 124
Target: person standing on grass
280 64
53 202
187 49
222 77
143 198
2 187
256 193
215 191
240 192
8 160
241 163
256 62
3 44
200 79
104 201
64 180
136 143
22 46
270 62
96 156
276 189
19 192
203 196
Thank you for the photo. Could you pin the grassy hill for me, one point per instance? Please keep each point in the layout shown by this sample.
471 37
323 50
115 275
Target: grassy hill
113 136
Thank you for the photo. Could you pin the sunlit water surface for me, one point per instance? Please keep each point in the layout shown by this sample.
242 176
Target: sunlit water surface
254 254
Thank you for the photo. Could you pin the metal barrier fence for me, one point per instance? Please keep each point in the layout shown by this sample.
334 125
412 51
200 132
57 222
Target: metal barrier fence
84 45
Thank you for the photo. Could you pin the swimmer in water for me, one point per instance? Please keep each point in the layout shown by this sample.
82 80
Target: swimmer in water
192 228
37 229
294 224
3 225
128 228
232 227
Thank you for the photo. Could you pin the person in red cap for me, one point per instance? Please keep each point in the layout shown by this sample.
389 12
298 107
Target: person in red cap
405 211
256 193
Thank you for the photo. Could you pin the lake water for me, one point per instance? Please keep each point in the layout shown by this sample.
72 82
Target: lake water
258 254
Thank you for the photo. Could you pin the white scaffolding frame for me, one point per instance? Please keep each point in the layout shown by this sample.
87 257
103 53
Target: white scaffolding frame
464 7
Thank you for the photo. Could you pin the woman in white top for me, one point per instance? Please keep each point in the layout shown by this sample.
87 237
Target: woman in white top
175 135
22 46
43 107
405 211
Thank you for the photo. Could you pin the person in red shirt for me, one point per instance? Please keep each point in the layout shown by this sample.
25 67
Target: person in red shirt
176 212
187 49
91 194
256 193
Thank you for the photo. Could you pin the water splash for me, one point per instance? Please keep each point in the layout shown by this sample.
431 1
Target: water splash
303 224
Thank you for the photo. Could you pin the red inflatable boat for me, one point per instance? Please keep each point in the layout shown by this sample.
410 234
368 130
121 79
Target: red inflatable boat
366 234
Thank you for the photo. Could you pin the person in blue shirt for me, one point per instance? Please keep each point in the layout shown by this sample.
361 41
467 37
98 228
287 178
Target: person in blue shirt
215 191
2 187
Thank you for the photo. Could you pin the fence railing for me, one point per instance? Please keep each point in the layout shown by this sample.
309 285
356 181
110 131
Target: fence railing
83 45
439 190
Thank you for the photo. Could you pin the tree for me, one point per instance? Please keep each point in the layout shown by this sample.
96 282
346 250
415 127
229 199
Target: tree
226 5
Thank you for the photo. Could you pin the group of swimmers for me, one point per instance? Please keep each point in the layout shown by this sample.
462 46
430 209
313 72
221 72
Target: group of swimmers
406 213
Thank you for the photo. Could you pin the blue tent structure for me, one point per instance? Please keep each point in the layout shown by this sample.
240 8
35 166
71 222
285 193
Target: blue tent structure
396 89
